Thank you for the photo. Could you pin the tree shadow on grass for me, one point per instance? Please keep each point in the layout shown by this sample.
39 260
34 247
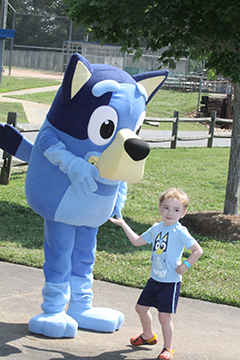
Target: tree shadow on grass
112 239
19 224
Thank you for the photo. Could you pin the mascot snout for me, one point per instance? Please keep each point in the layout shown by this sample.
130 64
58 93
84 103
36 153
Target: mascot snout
125 158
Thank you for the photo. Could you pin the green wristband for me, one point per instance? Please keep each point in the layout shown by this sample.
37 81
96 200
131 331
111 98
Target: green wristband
187 264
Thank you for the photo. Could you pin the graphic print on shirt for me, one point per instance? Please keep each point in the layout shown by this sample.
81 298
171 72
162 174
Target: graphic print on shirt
159 262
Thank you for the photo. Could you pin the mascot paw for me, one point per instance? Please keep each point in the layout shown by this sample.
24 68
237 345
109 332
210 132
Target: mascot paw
55 325
97 318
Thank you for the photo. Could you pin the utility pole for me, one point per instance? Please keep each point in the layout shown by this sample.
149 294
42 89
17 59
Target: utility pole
3 20
4 33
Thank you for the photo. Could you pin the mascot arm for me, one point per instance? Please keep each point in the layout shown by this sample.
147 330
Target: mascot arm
82 174
121 198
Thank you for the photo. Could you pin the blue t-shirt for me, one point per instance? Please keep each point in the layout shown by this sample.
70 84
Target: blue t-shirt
168 245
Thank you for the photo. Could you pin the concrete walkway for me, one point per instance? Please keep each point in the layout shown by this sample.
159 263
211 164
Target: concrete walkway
203 331
35 112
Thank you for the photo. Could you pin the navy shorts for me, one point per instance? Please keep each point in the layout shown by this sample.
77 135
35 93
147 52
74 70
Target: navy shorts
162 296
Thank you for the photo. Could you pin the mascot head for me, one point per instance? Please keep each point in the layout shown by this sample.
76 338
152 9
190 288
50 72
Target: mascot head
103 107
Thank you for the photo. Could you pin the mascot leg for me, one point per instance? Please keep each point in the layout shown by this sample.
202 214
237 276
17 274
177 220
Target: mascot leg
80 305
58 246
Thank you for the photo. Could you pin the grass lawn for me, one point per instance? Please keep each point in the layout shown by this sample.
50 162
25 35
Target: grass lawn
201 172
163 104
6 107
42 98
13 83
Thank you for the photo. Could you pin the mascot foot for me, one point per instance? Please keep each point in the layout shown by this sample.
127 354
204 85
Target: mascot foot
55 325
97 318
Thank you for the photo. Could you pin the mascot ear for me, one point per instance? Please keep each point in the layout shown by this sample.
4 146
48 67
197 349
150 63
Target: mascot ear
77 74
151 81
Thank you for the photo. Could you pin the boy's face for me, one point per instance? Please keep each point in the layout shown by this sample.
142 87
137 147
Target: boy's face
171 211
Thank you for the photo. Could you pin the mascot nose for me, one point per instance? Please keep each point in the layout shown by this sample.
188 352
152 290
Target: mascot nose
137 149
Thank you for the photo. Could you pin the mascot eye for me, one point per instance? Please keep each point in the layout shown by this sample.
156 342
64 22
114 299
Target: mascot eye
107 129
102 125
140 122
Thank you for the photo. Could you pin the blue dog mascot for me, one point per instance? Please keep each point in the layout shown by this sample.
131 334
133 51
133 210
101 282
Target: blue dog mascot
86 151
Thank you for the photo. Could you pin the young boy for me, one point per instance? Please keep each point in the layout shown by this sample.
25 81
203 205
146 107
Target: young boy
162 290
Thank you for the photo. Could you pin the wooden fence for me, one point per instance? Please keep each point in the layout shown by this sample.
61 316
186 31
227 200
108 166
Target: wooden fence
175 122
7 162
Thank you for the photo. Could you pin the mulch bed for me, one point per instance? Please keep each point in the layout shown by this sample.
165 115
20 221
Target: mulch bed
215 224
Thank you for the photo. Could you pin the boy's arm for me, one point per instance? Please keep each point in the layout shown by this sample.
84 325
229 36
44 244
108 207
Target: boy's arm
195 255
135 239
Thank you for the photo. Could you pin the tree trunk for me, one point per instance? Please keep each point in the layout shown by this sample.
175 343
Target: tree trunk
232 190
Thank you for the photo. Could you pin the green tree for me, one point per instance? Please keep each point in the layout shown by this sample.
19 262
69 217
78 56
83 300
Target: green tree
41 23
200 28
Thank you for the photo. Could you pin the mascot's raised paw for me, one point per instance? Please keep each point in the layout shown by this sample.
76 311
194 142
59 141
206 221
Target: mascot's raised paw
85 153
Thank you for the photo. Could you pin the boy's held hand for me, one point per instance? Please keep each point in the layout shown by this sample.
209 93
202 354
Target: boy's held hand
117 221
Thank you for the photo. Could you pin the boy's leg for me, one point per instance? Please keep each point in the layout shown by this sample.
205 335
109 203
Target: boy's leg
146 300
146 321
165 320
168 299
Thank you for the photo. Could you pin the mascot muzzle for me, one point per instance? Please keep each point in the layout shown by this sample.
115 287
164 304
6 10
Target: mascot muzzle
124 159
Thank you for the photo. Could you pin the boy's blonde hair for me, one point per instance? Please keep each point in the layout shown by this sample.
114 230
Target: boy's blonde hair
174 193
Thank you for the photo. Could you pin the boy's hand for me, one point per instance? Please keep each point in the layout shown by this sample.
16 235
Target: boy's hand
117 221
181 269
195 255
135 239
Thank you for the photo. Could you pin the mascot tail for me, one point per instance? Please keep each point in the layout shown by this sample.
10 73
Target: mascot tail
12 141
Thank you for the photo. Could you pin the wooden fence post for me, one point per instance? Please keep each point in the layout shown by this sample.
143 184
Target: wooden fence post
211 129
175 129
6 169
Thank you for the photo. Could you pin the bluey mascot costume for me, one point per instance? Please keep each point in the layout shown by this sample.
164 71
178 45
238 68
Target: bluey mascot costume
85 152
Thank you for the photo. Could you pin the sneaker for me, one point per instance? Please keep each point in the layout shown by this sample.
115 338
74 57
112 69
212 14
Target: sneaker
166 354
137 340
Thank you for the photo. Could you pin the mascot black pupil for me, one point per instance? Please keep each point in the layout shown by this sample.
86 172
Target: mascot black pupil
107 129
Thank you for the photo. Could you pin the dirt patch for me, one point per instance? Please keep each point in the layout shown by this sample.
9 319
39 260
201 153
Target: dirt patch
216 224
220 127
191 114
